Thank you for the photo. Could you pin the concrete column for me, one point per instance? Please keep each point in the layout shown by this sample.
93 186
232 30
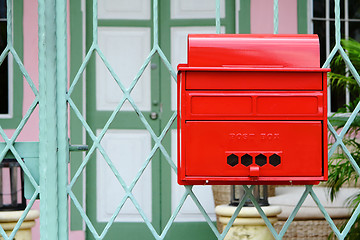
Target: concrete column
248 224
8 220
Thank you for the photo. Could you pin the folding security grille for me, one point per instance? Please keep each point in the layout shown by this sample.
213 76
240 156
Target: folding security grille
54 99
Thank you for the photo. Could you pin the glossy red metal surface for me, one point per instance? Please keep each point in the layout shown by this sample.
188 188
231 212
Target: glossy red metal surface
252 110
251 79
254 105
210 143
253 50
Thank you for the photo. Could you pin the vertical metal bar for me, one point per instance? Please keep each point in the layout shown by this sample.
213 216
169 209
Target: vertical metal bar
327 46
337 23
49 224
13 183
218 23
23 200
327 26
62 128
311 19
346 22
346 10
276 16
9 23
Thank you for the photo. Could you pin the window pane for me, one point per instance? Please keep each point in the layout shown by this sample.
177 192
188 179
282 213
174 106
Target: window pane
354 9
2 8
319 8
319 29
354 30
338 94
337 98
4 88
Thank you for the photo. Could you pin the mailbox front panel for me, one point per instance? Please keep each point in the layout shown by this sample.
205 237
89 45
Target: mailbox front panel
232 148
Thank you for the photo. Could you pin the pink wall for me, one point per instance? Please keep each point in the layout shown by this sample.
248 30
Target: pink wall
262 12
31 130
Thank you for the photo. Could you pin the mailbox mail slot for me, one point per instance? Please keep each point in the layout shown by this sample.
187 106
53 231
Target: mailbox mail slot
252 110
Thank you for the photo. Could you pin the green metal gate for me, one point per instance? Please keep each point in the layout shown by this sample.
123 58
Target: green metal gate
55 99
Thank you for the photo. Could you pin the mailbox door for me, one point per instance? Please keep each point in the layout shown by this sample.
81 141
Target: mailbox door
238 148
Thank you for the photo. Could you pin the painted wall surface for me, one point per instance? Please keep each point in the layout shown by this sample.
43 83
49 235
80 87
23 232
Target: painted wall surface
261 22
262 12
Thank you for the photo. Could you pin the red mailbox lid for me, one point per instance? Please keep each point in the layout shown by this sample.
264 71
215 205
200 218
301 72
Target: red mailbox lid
253 50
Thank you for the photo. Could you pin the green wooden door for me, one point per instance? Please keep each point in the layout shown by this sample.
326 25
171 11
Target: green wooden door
126 38
125 43
178 18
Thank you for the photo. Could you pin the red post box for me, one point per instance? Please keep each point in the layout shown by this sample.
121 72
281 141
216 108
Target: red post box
252 109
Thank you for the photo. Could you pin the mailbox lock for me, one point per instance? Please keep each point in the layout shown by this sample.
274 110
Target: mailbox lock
153 115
